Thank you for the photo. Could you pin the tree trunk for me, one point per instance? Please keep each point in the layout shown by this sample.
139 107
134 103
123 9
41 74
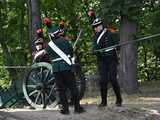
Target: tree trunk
21 35
128 56
34 21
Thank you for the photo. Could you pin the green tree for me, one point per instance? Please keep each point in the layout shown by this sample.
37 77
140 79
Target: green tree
12 37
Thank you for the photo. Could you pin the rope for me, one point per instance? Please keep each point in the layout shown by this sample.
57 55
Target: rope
126 43
19 67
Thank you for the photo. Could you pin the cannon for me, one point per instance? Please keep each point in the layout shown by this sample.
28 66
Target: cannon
39 86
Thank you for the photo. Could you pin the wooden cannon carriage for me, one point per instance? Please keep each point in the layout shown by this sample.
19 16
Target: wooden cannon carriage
39 86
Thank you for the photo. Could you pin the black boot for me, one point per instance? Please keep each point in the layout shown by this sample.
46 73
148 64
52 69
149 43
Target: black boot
103 98
64 110
78 108
117 91
119 102
118 99
102 104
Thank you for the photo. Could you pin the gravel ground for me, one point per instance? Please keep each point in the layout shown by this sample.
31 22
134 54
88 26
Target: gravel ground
144 106
127 112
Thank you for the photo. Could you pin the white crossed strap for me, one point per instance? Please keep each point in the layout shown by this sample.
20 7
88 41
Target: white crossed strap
39 53
100 36
60 52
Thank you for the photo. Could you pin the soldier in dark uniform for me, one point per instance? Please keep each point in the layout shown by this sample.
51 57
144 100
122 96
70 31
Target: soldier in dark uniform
107 61
62 70
40 54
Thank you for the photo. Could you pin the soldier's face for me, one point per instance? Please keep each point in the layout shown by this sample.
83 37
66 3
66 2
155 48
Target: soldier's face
39 47
98 28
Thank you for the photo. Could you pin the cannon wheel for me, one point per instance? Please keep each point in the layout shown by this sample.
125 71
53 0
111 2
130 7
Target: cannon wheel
39 86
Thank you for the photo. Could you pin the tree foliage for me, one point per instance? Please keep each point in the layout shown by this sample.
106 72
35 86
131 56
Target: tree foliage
14 34
13 37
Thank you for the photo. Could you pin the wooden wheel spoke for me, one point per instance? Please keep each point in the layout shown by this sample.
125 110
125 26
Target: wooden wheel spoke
38 75
50 101
32 79
47 99
33 92
47 75
37 97
41 74
50 80
43 98
52 90
31 86
50 98
50 86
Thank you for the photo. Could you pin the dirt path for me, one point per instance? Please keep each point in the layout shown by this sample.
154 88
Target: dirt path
93 113
129 111
143 106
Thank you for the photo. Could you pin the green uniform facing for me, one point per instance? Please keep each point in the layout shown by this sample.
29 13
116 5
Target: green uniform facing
106 61
64 77
59 64
107 40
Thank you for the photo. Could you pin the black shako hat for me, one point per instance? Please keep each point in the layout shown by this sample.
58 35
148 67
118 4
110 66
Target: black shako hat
97 22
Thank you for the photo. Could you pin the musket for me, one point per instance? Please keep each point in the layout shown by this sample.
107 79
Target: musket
79 35
107 49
